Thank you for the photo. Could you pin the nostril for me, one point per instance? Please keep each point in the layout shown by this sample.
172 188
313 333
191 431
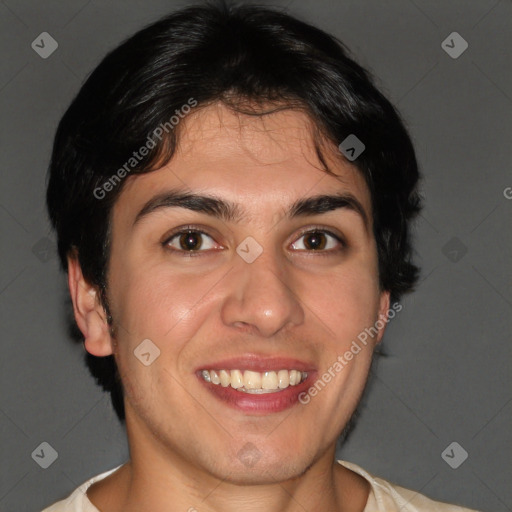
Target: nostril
245 326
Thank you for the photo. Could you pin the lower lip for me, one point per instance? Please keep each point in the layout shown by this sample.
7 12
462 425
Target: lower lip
263 403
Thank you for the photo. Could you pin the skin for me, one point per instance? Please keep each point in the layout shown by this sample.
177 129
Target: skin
292 301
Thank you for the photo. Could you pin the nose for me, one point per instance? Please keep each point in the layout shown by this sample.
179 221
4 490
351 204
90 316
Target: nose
261 298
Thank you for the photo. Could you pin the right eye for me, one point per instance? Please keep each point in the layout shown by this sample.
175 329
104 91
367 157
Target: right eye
189 241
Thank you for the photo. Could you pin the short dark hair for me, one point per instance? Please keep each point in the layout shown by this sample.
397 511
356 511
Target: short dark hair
247 57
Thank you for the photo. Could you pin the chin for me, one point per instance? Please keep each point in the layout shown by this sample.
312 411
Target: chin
258 471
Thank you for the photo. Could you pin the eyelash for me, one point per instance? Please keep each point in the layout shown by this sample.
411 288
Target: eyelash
197 253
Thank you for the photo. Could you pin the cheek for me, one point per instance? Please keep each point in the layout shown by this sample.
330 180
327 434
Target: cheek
166 307
346 301
154 301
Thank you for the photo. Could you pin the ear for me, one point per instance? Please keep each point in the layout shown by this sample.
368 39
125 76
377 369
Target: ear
383 315
89 313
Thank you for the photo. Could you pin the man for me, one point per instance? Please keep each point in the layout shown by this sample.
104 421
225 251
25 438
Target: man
232 199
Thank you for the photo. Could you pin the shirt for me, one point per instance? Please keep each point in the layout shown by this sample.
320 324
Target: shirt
383 497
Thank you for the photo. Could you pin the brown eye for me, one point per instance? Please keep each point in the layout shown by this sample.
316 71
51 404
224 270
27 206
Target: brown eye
317 241
190 241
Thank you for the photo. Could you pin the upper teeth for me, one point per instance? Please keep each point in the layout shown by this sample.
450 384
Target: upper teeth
254 382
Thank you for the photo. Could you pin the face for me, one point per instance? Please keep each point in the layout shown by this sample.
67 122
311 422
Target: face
275 283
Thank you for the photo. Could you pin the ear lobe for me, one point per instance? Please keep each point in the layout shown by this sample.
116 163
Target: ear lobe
383 315
89 313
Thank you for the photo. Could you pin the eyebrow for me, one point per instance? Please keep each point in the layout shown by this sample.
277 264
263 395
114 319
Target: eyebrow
232 212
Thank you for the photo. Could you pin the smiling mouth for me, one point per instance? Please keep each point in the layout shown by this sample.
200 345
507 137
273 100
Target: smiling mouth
255 382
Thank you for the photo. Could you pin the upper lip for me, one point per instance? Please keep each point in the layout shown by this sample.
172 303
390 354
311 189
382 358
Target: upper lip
258 363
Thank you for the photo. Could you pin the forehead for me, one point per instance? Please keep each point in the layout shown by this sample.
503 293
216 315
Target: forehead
217 130
261 160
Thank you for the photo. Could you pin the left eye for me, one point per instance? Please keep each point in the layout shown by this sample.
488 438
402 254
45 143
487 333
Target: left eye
317 241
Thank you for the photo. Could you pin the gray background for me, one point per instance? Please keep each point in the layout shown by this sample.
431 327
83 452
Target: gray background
447 374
